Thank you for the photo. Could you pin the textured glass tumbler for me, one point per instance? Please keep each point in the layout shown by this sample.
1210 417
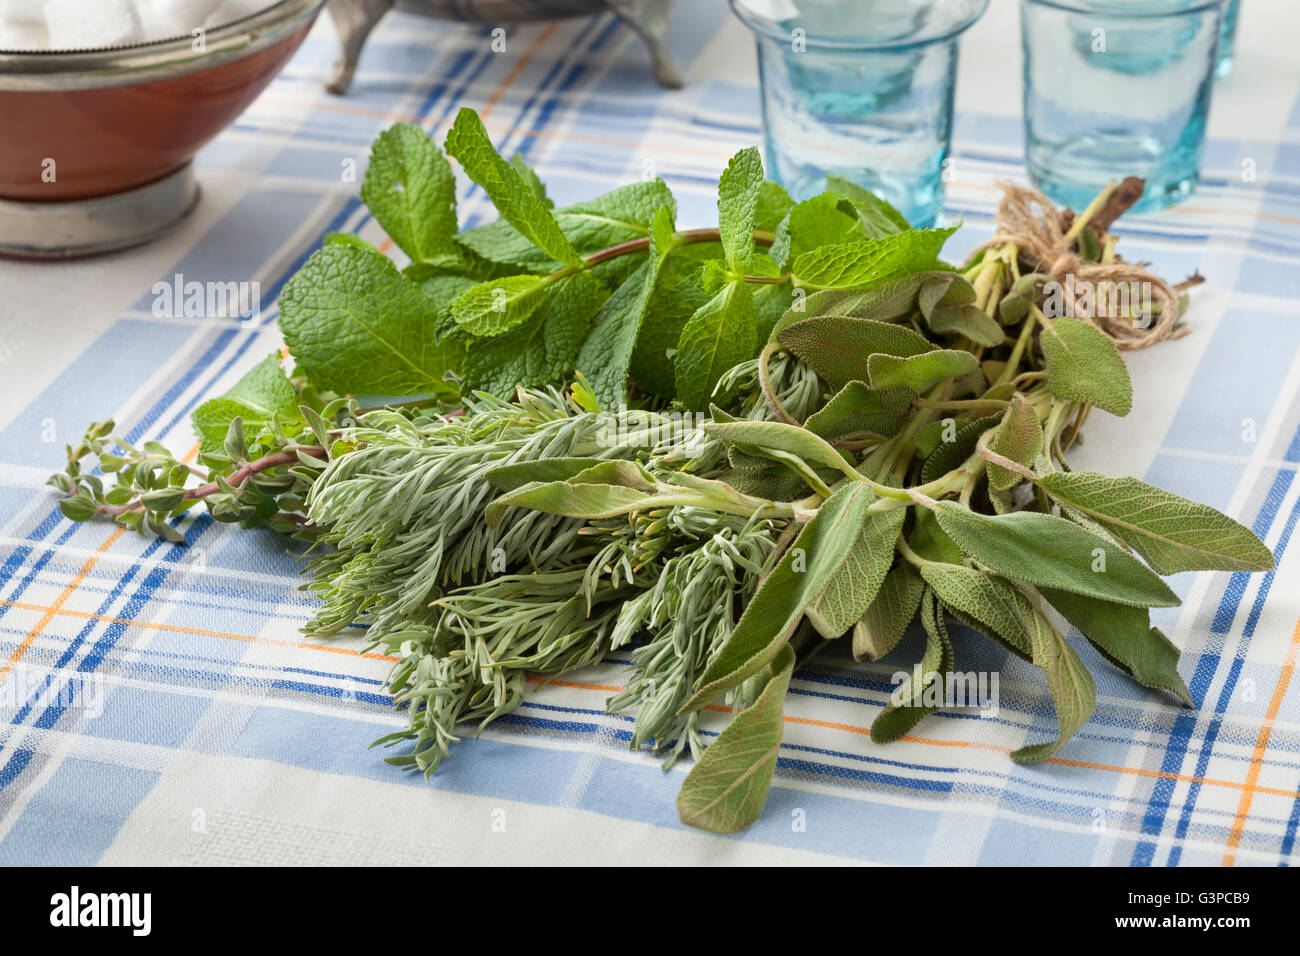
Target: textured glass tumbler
1228 37
1117 88
862 91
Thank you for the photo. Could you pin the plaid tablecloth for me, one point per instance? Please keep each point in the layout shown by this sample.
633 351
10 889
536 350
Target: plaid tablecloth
160 706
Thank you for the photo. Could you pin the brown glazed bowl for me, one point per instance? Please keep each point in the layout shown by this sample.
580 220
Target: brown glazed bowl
95 145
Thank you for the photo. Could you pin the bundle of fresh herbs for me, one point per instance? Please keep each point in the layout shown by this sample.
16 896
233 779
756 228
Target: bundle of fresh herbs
718 447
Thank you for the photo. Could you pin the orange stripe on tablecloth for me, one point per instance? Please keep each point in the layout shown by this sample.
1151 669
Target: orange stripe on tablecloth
57 606
202 632
1261 744
517 69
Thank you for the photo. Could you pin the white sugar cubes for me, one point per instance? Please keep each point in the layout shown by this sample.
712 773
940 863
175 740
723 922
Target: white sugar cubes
93 24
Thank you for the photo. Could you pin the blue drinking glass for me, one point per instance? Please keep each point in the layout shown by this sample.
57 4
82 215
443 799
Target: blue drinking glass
1117 88
1228 37
860 90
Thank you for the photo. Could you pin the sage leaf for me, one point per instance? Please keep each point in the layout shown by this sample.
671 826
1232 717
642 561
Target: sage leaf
1053 552
853 586
858 411
726 789
796 582
919 372
510 477
1083 365
1170 532
914 700
993 605
1020 438
887 617
838 347
779 436
1125 637
1071 686
951 454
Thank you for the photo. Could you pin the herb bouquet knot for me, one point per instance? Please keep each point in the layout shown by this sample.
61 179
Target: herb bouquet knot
719 448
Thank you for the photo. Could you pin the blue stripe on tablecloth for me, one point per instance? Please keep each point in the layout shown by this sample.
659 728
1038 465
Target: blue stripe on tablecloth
1206 669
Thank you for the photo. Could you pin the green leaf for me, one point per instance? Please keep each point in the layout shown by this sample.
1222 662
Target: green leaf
1020 438
794 584
907 706
946 301
779 436
876 217
263 392
618 216
606 355
1083 365
1125 637
498 305
602 490
869 262
838 348
948 455
772 206
654 357
853 586
1073 692
1052 552
719 335
813 223
738 190
410 189
919 372
77 508
1171 533
726 789
545 347
510 477
988 602
885 621
513 197
932 542
889 302
531 179
858 411
355 325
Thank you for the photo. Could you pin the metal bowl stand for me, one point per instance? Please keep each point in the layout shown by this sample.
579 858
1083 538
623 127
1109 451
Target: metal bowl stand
354 19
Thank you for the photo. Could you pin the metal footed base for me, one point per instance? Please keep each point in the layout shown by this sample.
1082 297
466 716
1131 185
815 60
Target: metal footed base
83 227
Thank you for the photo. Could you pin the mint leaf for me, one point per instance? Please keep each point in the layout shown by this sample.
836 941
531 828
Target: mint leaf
617 216
263 392
738 190
719 335
876 216
726 789
653 360
498 305
410 188
820 221
355 325
864 263
607 354
772 206
545 347
514 198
